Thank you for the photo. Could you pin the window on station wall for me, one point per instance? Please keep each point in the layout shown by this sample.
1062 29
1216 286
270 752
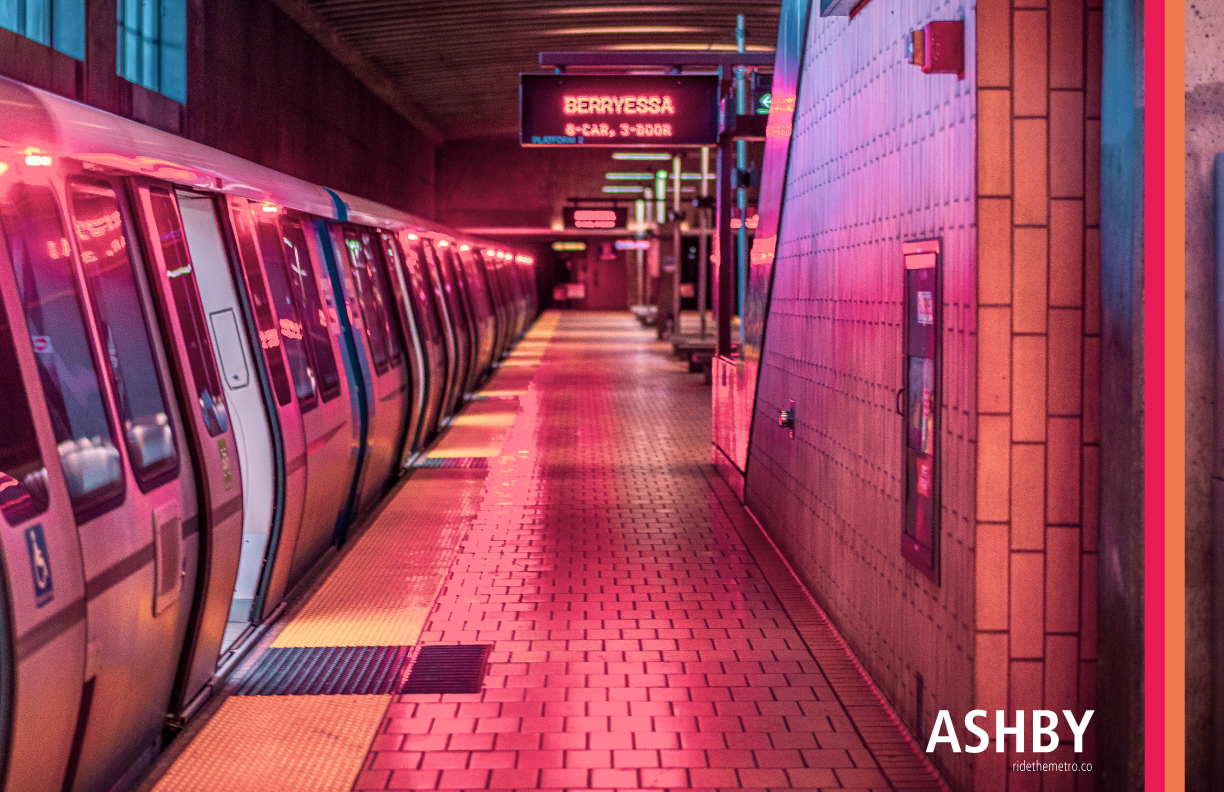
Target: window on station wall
921 372
56 23
152 47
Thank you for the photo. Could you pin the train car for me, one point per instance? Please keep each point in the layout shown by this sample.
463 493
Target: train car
231 367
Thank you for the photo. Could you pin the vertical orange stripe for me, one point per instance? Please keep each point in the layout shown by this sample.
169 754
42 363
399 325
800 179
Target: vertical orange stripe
1175 395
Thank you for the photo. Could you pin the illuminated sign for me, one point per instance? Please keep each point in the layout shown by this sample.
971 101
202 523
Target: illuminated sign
633 244
564 245
618 110
588 219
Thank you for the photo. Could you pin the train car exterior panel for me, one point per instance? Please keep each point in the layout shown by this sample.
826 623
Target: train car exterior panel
239 421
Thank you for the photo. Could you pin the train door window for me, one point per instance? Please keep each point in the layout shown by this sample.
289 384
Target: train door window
920 540
124 332
420 292
72 384
361 257
268 235
190 312
385 257
265 319
23 476
306 287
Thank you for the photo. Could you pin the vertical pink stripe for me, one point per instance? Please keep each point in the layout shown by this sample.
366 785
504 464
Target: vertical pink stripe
1153 379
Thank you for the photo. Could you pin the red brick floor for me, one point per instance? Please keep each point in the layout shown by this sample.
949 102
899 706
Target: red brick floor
636 643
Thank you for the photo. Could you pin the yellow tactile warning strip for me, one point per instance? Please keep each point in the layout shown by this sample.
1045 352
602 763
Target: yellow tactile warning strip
381 591
479 431
287 743
379 594
509 381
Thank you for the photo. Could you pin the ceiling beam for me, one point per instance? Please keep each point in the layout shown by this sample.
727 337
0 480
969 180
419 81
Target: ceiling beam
367 73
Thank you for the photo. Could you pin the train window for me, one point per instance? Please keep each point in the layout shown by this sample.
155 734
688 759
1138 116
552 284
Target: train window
23 476
306 287
376 327
290 320
384 258
420 293
42 261
265 320
187 306
477 287
107 263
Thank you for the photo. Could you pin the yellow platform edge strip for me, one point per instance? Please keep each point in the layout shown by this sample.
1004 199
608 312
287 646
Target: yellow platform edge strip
282 743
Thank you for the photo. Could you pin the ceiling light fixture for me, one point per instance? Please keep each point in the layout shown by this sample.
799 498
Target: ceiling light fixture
641 9
683 47
621 188
621 30
650 156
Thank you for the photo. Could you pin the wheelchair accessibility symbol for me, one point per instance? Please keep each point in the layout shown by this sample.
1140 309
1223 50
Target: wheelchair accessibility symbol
40 565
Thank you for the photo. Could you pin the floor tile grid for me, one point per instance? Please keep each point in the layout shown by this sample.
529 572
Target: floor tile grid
639 648
877 723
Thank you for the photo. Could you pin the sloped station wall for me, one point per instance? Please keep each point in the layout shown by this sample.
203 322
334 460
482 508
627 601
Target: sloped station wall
1000 166
881 154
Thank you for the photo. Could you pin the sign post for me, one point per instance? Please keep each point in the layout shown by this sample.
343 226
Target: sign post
676 246
703 242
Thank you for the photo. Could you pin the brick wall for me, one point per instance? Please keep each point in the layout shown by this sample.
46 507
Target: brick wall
259 87
881 154
1038 312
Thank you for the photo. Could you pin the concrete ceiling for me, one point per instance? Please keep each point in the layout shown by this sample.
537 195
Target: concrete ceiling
452 67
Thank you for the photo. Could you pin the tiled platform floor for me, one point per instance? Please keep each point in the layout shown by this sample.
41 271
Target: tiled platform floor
637 643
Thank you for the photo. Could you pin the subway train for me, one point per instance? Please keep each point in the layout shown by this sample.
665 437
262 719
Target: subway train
232 367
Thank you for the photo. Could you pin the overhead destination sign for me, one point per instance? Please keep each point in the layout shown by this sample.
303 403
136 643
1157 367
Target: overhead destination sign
618 110
588 219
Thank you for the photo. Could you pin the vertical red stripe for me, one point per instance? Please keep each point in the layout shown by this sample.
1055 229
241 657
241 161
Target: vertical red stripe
1153 386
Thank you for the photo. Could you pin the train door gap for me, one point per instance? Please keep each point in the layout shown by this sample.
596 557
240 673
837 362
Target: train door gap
210 257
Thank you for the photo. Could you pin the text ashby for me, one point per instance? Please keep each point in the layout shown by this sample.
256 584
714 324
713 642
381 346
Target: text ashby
1045 738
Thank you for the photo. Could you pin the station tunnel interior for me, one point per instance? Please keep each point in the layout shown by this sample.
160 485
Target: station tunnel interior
786 458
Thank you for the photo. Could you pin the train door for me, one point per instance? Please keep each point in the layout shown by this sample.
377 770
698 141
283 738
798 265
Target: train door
256 437
328 424
118 440
497 290
42 647
209 430
458 324
478 295
437 292
459 286
431 334
387 378
418 363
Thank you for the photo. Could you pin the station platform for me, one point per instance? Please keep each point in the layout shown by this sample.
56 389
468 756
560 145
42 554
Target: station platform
642 631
